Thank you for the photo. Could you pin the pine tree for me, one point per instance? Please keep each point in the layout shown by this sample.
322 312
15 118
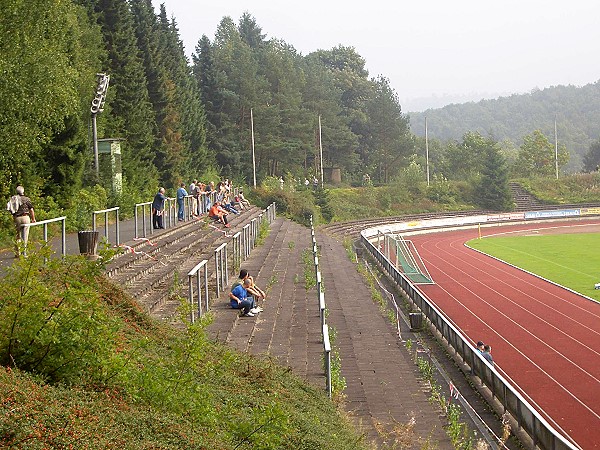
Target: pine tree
130 113
492 191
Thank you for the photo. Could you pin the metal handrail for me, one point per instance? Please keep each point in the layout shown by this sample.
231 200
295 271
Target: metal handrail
327 357
136 218
45 223
105 212
195 273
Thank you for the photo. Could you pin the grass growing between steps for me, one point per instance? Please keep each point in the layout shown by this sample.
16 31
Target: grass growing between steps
83 367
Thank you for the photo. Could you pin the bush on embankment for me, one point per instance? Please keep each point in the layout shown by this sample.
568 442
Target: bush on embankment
83 367
567 189
339 204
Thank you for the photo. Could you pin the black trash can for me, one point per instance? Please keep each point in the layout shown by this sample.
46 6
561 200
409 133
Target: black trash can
358 249
416 321
88 243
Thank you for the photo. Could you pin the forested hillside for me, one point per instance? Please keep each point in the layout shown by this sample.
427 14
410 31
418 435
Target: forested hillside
576 109
179 119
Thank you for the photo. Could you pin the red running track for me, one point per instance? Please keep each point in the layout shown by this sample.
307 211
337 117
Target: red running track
544 338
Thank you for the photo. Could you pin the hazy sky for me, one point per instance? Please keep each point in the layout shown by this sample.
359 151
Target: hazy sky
442 48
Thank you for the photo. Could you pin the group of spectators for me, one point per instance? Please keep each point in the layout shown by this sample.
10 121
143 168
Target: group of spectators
202 196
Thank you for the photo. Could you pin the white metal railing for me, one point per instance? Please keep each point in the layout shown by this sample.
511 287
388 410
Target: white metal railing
44 224
194 274
221 269
322 312
105 212
136 218
327 353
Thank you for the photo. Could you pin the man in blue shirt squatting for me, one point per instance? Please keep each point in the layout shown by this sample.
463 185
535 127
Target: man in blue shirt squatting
239 299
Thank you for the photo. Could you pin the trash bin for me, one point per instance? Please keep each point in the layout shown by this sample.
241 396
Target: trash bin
416 321
88 243
358 249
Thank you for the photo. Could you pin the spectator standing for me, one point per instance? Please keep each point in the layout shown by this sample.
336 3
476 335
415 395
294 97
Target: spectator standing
208 190
281 183
158 209
181 194
22 211
487 354
192 192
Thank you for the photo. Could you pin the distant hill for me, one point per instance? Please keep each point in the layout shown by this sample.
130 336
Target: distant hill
576 109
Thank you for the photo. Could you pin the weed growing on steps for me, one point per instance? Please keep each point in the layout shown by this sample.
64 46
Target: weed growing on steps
459 433
263 231
338 382
310 279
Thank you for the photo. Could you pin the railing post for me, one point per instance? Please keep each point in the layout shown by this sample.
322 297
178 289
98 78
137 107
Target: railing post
135 221
191 295
206 287
327 357
318 276
144 219
118 230
217 274
106 225
64 236
254 234
322 307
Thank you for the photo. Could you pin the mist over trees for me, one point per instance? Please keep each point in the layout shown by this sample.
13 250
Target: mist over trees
510 119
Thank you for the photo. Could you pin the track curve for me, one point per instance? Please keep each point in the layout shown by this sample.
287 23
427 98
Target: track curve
544 337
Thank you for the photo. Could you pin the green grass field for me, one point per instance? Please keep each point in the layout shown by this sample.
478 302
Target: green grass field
572 260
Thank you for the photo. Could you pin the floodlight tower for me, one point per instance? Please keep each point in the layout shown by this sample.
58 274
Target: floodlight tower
97 107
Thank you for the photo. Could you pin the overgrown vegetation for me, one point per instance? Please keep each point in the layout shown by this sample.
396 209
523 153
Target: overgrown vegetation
575 188
83 367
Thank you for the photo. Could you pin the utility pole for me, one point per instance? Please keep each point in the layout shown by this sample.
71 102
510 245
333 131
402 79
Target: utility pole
321 153
426 151
253 158
555 148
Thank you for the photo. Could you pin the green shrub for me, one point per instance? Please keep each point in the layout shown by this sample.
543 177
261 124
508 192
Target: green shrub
52 320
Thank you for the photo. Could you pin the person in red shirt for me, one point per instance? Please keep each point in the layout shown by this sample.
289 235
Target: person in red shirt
217 212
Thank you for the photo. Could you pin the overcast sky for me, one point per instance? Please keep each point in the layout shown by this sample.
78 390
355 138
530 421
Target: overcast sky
468 49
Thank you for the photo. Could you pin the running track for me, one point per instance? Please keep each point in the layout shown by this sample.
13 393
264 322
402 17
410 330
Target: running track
543 337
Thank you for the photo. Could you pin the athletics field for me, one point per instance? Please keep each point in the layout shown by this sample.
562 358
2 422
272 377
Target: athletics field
571 260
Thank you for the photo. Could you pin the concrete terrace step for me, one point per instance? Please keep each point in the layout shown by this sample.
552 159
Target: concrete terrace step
167 309
149 278
161 241
225 317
